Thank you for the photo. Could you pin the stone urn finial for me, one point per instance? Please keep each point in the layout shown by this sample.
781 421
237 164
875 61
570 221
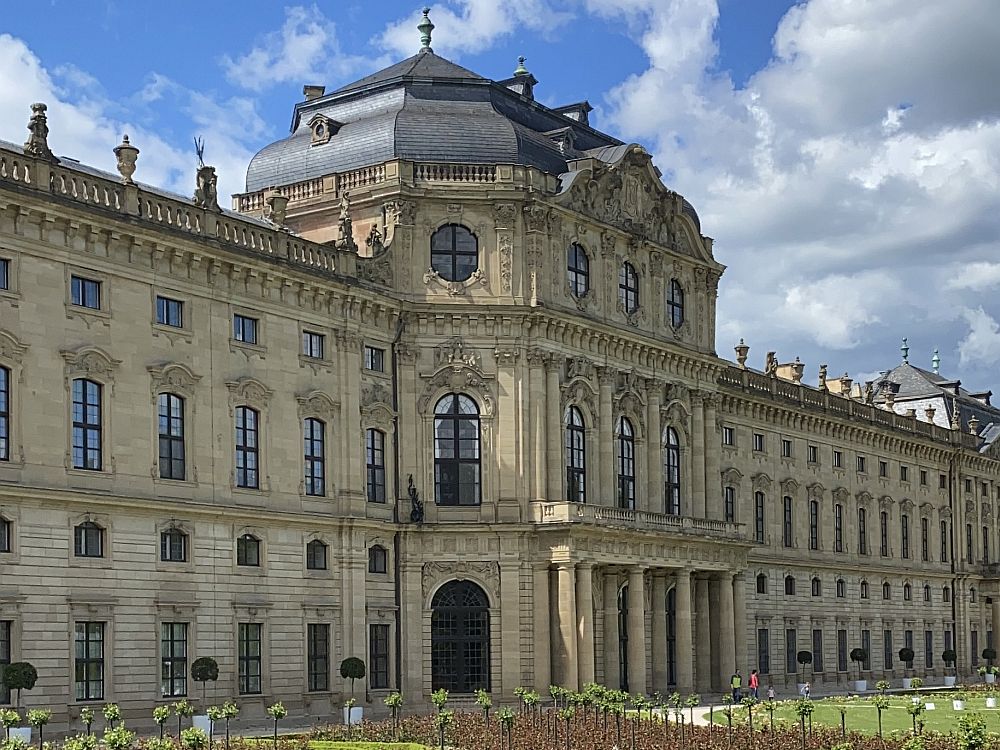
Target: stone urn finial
37 144
798 369
973 425
742 350
276 208
425 27
929 412
127 154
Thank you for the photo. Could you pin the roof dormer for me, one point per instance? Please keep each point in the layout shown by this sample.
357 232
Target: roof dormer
323 129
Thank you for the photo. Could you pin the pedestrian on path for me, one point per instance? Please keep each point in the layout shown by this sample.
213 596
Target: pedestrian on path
804 692
736 683
770 692
754 684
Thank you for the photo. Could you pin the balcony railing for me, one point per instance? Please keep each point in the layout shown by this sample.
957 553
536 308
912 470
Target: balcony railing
624 518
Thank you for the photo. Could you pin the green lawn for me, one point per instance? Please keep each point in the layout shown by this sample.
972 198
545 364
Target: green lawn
863 717
325 745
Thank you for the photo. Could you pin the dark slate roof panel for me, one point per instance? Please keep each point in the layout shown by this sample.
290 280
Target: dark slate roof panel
421 65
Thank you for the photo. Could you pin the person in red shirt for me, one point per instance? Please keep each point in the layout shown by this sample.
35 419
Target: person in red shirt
754 684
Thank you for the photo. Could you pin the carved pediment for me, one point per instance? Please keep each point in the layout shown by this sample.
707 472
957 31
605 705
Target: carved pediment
761 482
458 378
454 352
316 404
840 494
579 367
173 377
732 475
815 491
864 497
579 393
789 486
11 348
248 390
89 361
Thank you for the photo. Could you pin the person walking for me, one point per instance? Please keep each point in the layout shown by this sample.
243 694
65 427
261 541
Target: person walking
754 684
804 692
736 683
770 692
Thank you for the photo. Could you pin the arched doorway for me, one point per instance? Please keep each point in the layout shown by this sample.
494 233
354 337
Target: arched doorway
460 638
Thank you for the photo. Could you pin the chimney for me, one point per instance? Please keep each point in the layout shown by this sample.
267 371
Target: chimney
313 92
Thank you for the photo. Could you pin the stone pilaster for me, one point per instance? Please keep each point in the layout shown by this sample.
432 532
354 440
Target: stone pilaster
585 621
713 458
609 473
727 633
543 618
703 648
565 651
740 623
683 643
654 500
636 631
553 402
539 418
697 457
612 667
658 636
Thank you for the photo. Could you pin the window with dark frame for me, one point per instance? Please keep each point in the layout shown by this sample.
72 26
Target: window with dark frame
313 345
907 592
887 649
675 304
761 583
923 478
928 649
944 541
454 252
841 650
791 664
786 448
250 658
886 591
904 473
970 552
374 359
85 292
4 274
816 587
169 312
628 287
862 465
672 472
817 650
173 659
986 545
88 662
814 524
838 459
883 469
626 464
904 536
838 527
316 555
314 456
576 456
841 588
4 414
379 656
758 517
787 528
578 270
247 447
812 454
925 540
375 465
318 657
88 540
170 426
864 589
758 442
87 449
866 644
460 638
729 504
927 593
457 469
862 531
6 626
789 585
378 559
6 535
173 545
942 481
728 436
248 551
245 329
883 529
763 651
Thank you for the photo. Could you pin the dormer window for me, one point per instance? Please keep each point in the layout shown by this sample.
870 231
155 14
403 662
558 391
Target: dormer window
323 129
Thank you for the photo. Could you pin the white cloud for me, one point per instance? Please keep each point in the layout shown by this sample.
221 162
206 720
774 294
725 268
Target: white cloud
977 277
982 342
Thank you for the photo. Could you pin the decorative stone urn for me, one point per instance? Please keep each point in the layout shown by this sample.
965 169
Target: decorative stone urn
127 154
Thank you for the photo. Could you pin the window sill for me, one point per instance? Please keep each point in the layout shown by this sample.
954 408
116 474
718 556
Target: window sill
173 332
247 349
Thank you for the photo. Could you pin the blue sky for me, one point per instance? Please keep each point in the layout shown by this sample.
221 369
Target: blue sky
843 154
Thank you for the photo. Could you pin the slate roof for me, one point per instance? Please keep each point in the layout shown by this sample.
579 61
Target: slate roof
425 108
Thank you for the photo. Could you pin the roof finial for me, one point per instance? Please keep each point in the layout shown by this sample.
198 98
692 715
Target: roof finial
425 27
936 362
905 349
521 70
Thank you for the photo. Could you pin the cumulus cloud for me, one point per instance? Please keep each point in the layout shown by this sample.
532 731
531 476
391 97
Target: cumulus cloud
981 344
977 277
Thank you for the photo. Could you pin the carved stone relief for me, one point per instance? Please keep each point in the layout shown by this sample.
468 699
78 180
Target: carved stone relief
486 572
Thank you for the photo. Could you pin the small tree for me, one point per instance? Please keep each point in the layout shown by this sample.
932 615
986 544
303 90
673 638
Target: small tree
112 714
160 716
352 668
989 654
229 712
906 656
118 738
194 738
948 657
183 709
881 703
484 701
803 658
214 714
38 718
204 669
20 675
440 699
87 718
8 718
859 656
277 711
393 701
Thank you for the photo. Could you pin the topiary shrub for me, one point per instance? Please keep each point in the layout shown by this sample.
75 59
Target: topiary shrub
859 656
204 669
20 675
352 668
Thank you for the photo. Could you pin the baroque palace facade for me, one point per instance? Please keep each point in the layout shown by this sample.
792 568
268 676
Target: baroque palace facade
441 393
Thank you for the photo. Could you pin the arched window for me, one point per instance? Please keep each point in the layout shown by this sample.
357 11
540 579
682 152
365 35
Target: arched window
671 472
789 585
628 287
907 592
946 593
173 545
576 457
456 451
378 559
864 589
454 252
578 270
841 588
375 464
816 587
4 414
88 540
972 594
87 425
460 638
314 452
626 464
761 583
316 555
927 593
247 447
886 590
248 551
675 304
170 409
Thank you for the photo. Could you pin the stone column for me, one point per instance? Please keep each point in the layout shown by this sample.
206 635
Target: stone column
659 631
565 661
539 417
609 474
612 668
636 631
654 500
697 457
585 621
553 402
543 616
740 624
683 644
713 458
703 649
727 631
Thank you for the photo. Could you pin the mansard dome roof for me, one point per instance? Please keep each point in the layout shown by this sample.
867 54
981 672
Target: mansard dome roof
425 108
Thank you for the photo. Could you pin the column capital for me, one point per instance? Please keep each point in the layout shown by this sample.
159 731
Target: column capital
607 376
585 565
553 362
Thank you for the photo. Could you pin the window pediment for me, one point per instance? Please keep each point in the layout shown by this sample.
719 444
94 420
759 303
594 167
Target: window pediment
323 128
173 377
317 404
90 361
248 390
11 349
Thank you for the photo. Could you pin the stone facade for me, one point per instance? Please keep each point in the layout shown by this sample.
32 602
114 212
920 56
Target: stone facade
346 258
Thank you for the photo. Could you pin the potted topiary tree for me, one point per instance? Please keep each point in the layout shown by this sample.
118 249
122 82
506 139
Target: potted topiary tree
20 675
204 670
948 657
803 658
859 656
352 668
906 656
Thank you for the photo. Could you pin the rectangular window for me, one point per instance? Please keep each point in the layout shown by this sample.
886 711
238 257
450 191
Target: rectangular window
904 474
728 436
942 481
314 456
758 442
947 640
812 454
4 414
791 665
764 650
247 447
883 528
862 465
925 540
904 536
5 657
173 659
974 647
6 534
862 531
928 649
249 655
923 477
968 485
4 273
758 517
173 546
245 329
169 312
813 525
313 344
883 469
887 649
87 425
908 643
379 656
841 650
318 637
838 459
88 652
85 292
944 541
170 426
729 500
786 448
375 465
374 359
786 526
866 644
817 650
986 545
838 528
970 552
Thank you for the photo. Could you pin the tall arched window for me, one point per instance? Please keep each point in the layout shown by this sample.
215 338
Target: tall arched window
454 252
316 555
761 583
87 425
375 464
576 457
671 472
4 414
170 412
578 270
456 451
460 638
88 540
675 304
628 287
314 452
247 447
626 464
